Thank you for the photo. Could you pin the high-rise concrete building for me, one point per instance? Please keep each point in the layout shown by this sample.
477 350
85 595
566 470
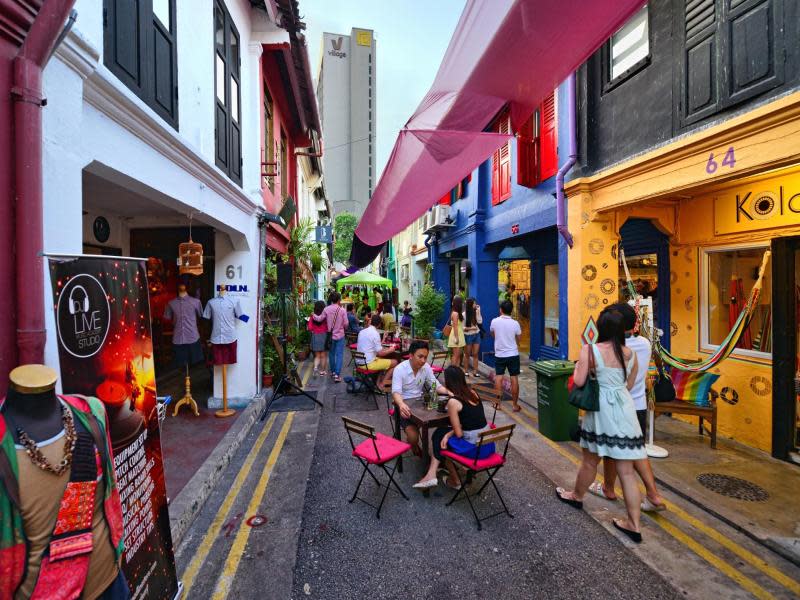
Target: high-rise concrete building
346 85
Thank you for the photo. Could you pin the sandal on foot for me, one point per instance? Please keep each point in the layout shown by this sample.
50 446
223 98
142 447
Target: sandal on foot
323 373
452 487
571 501
648 506
634 536
597 489
424 485
517 409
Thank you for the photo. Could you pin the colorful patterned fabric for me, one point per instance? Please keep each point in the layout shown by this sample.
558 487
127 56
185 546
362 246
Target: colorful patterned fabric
91 413
693 387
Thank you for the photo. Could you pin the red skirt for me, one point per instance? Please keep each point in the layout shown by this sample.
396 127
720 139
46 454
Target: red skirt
223 354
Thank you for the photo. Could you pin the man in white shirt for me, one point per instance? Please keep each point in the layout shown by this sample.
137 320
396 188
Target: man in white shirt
506 331
369 342
641 346
410 380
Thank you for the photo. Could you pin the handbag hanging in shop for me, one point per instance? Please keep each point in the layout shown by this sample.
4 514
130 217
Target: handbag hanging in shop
663 389
587 397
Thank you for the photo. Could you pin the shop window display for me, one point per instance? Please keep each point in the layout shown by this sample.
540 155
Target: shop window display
551 312
644 274
728 278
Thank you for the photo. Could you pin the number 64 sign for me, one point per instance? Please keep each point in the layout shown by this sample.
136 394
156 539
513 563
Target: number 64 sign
729 160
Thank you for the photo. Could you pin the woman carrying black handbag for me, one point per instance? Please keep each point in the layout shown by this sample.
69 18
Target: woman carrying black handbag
613 430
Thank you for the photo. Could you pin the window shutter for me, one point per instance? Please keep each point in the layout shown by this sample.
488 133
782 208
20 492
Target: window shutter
444 200
548 160
526 155
165 81
700 84
125 40
496 177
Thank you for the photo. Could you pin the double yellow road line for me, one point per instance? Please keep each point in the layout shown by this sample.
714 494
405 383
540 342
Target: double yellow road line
719 563
239 545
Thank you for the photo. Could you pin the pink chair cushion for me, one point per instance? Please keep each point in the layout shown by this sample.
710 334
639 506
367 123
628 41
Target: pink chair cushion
495 460
388 448
353 346
437 369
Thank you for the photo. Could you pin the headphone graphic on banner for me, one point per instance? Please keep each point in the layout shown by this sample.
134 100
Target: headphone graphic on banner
75 306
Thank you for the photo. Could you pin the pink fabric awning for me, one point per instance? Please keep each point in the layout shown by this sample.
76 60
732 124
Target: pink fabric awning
503 52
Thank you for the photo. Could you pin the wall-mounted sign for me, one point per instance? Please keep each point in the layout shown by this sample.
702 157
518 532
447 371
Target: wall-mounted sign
760 205
364 38
515 229
324 234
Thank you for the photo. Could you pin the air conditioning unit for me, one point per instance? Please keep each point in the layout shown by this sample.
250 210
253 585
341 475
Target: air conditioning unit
427 221
440 216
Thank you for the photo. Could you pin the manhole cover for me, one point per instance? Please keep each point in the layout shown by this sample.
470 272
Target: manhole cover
733 487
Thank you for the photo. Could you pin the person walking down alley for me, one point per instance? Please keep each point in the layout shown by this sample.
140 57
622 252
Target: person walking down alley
472 335
653 502
318 326
613 431
506 331
337 323
455 340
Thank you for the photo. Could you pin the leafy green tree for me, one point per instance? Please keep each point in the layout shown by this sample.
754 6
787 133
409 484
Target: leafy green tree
343 227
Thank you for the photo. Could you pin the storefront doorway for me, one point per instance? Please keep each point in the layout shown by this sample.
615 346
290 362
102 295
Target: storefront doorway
786 349
647 254
514 284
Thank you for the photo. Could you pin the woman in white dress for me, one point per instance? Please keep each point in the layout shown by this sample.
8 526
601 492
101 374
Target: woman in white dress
614 430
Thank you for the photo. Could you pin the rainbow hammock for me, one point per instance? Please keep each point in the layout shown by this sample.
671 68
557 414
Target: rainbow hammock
728 344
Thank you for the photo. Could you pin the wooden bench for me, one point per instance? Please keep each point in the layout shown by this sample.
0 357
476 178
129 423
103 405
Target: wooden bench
703 412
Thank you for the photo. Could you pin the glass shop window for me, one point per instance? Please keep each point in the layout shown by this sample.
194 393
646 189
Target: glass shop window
729 275
551 305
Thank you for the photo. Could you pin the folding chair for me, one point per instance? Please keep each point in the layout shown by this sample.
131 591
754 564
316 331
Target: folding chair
376 449
491 465
386 390
440 355
352 344
368 377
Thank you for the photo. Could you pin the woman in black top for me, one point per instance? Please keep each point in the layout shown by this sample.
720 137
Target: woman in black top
467 420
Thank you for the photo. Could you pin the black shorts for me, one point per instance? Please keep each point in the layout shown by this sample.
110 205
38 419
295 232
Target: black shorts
507 362
641 416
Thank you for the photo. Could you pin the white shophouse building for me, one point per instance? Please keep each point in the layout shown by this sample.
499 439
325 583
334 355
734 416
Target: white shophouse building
154 118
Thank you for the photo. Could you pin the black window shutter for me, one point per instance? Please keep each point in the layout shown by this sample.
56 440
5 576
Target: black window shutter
754 40
142 53
732 50
227 126
164 73
700 78
124 41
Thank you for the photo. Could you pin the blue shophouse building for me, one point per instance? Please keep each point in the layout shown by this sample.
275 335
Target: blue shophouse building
501 240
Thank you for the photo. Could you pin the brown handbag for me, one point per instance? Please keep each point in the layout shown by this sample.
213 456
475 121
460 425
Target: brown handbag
446 330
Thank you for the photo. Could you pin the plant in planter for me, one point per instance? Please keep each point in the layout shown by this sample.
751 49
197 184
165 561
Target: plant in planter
430 303
270 363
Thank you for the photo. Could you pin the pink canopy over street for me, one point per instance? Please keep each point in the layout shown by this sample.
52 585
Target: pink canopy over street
503 52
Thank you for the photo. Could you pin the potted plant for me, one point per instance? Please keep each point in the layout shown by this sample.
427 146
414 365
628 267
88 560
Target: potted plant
430 304
269 363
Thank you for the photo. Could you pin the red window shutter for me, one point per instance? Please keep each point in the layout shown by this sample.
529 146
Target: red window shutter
527 168
496 177
548 149
445 199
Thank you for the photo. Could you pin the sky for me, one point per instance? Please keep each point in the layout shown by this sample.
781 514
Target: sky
411 35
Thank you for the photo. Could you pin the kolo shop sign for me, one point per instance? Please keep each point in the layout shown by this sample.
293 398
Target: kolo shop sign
761 205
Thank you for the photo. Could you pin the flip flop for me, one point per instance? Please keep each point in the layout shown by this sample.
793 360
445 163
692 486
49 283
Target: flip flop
517 409
452 487
424 485
648 506
634 536
597 489
573 503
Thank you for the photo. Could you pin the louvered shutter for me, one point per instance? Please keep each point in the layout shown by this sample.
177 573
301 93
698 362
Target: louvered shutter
548 148
504 158
496 177
527 168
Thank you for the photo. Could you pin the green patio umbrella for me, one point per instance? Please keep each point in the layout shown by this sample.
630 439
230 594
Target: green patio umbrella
363 278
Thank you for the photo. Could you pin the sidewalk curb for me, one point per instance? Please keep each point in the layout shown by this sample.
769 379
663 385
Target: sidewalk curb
190 500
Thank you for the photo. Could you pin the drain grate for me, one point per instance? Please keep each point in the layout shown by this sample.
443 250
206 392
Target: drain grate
733 487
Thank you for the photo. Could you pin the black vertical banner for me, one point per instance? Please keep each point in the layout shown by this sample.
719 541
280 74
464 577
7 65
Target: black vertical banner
105 349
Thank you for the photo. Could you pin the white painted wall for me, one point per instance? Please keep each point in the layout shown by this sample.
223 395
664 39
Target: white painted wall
92 120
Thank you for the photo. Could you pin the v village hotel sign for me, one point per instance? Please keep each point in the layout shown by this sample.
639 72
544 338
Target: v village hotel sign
761 205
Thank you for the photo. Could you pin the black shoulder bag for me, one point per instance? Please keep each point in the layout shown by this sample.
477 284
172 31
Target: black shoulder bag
587 397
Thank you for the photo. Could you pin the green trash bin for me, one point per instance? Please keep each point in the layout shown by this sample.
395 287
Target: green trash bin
557 417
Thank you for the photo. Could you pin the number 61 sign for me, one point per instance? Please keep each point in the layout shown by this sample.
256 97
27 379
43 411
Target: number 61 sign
729 160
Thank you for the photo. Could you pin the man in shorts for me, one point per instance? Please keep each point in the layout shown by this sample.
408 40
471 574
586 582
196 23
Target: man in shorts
410 379
369 342
506 331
